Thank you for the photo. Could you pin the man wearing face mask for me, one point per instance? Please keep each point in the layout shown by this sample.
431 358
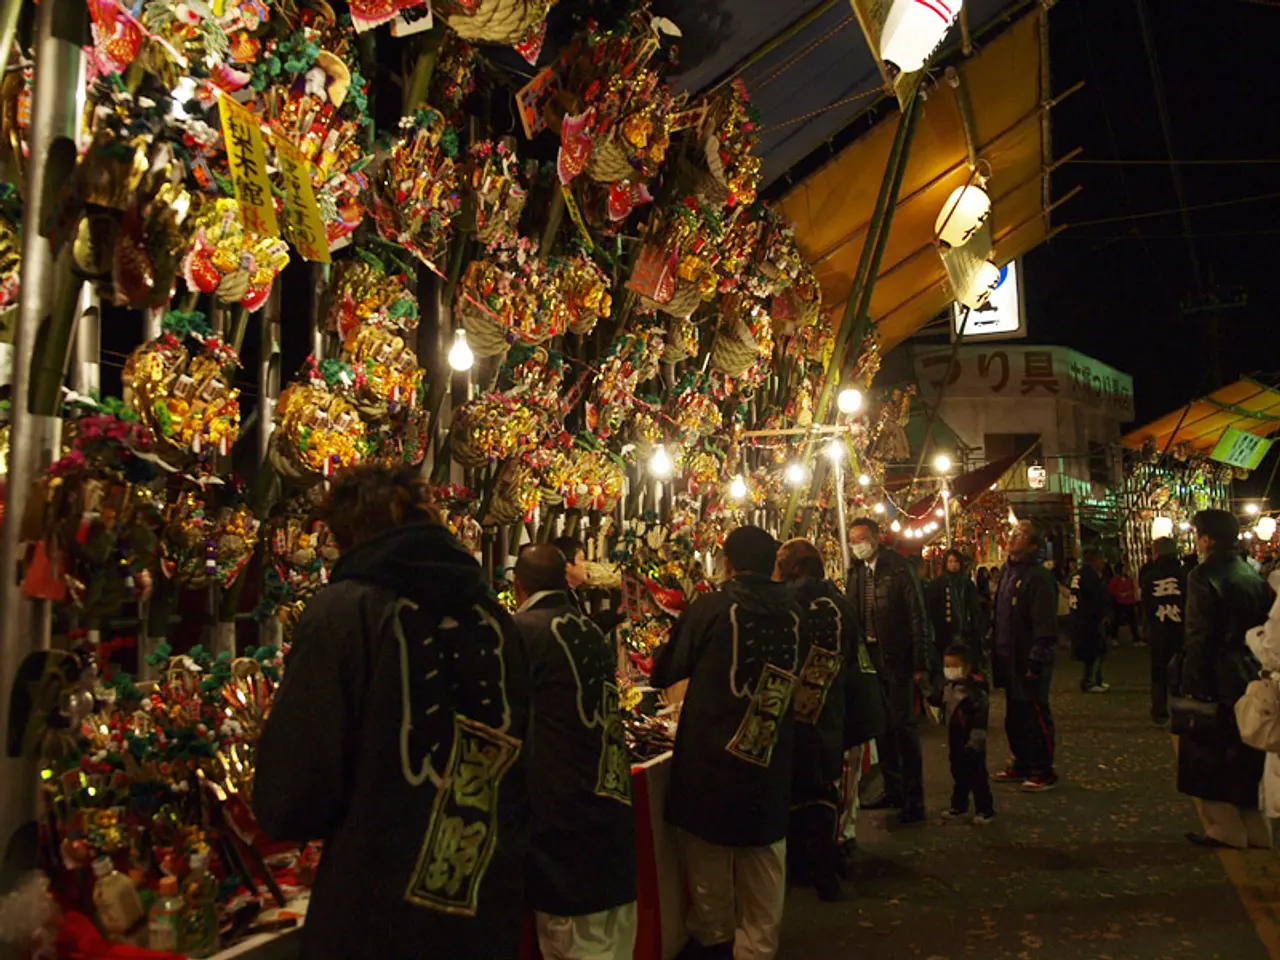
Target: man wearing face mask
890 604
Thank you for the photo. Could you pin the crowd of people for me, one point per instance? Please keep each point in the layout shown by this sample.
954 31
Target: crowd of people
467 768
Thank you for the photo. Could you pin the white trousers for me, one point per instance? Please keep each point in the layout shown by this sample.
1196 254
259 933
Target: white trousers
738 895
1235 826
608 935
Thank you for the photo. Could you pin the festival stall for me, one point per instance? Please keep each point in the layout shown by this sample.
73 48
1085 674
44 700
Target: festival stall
555 293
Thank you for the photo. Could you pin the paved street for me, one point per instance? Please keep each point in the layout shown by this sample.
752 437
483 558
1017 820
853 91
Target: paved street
1097 869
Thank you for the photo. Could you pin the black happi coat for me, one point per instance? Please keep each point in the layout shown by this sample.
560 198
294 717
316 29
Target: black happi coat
954 611
582 850
731 773
395 738
1089 604
829 660
1026 631
1164 601
1225 599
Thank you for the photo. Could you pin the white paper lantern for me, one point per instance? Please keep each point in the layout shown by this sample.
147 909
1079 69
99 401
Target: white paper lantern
963 215
1266 528
1161 527
914 29
984 283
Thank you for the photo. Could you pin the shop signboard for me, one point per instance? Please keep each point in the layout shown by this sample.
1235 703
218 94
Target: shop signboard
1240 449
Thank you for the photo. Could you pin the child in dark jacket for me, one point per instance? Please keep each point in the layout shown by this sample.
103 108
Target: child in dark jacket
967 701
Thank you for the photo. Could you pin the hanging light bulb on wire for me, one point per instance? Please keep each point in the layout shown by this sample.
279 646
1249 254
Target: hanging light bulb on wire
738 488
796 473
460 356
660 464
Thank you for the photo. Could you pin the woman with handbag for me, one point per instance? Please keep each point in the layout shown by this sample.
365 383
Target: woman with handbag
1225 599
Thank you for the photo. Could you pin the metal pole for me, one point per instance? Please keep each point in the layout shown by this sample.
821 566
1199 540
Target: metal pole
842 518
24 625
946 509
86 365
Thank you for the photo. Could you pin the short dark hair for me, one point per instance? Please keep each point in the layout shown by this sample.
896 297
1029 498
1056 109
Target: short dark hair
751 550
1165 547
960 651
1220 526
1037 531
799 559
569 546
367 500
541 568
868 523
953 552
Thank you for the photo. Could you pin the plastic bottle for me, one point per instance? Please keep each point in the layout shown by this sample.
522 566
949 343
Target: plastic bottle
115 899
200 910
164 929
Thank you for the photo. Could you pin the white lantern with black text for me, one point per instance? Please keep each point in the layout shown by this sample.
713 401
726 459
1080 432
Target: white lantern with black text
1037 477
963 215
1161 527
984 283
914 29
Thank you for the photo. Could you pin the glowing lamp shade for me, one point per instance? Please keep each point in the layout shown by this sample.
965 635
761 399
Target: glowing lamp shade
963 215
849 401
1161 527
738 488
460 356
914 29
660 464
1265 528
984 283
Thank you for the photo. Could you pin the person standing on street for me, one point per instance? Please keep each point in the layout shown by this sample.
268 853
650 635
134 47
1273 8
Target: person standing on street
1022 656
730 791
1225 599
954 610
890 605
830 664
581 871
1124 596
1088 609
396 735
1164 600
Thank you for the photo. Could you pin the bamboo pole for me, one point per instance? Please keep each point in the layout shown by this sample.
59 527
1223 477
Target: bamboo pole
24 626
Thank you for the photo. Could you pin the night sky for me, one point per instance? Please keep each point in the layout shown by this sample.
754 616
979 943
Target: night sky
1113 289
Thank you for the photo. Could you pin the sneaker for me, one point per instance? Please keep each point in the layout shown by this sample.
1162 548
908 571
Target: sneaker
1039 784
1009 776
984 819
954 814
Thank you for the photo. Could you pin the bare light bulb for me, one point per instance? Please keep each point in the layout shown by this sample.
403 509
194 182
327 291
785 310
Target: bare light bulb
849 401
738 488
835 450
1251 509
864 481
942 463
878 508
895 526
660 464
796 473
939 512
460 356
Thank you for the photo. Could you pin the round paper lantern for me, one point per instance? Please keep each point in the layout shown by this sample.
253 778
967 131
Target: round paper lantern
914 29
963 215
985 281
1161 527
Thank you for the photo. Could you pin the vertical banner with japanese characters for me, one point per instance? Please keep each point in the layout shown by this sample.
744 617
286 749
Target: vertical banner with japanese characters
303 226
248 162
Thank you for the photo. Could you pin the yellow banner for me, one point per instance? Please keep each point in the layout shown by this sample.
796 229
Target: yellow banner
248 163
303 226
575 214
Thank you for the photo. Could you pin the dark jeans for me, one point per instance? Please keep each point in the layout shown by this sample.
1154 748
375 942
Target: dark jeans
969 771
1029 726
1127 616
1092 671
901 760
812 854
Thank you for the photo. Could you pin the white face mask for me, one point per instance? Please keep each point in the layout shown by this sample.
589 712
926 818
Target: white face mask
953 673
864 550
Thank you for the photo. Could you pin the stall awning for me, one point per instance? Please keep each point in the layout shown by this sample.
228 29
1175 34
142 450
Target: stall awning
1248 406
832 208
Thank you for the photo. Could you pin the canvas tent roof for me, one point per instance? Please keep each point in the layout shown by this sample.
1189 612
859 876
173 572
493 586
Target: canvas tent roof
1248 406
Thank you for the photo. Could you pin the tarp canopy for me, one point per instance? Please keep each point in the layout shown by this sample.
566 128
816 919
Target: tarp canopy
832 208
812 84
1248 406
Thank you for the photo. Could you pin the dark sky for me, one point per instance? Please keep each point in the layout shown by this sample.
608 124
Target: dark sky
1113 289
